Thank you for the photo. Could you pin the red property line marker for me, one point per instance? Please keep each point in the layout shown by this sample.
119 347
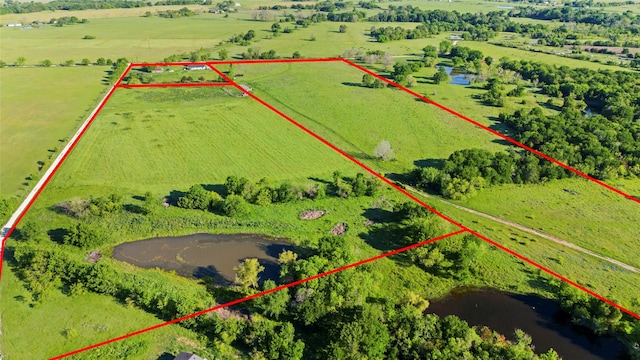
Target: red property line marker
281 287
427 100
255 61
57 166
337 149
133 86
551 272
428 207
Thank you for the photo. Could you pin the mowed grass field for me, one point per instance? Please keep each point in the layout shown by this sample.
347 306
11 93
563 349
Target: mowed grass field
161 140
328 99
40 107
135 38
356 119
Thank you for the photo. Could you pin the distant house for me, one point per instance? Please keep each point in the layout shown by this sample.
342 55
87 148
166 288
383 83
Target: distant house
13 25
158 70
455 37
196 67
187 356
246 88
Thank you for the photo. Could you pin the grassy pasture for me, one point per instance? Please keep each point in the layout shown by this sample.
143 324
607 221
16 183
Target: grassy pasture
574 209
153 41
39 107
599 276
167 139
65 323
336 107
424 136
138 39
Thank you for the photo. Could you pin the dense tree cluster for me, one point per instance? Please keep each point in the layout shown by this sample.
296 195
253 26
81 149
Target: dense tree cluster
479 26
604 145
252 54
597 146
468 170
566 14
118 69
45 268
67 20
240 191
390 33
370 81
172 14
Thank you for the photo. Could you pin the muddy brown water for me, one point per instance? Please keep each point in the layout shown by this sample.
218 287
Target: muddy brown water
200 255
541 318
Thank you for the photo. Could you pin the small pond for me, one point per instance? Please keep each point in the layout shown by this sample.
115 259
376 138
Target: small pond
459 76
201 255
538 317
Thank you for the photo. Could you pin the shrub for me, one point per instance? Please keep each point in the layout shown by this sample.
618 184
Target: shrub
235 206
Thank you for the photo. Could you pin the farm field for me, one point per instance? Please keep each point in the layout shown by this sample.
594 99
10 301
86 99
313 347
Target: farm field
39 108
578 218
182 198
205 31
144 140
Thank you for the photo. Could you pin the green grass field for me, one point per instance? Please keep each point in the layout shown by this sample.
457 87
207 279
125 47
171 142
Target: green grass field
40 107
65 323
166 140
153 42
356 119
169 139
599 276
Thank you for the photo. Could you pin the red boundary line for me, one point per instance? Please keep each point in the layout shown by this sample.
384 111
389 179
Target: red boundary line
373 172
575 171
250 297
132 86
44 184
463 229
549 271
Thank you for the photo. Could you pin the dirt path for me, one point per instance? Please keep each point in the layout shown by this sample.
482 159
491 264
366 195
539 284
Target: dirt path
47 175
530 231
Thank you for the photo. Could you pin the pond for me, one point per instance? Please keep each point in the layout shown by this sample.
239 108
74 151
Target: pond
541 318
201 255
459 76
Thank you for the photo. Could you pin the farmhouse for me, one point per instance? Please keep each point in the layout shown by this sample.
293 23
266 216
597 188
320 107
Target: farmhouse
455 37
196 67
14 25
187 356
158 70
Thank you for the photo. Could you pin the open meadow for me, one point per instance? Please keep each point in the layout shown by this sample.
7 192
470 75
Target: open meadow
40 107
575 210
102 250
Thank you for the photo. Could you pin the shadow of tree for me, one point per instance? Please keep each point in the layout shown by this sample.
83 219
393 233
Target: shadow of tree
218 188
429 163
57 235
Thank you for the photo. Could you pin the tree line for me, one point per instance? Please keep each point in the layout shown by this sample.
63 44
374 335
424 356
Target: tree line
240 191
468 170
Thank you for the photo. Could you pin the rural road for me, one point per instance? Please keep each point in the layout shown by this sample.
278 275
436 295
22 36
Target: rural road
530 231
6 229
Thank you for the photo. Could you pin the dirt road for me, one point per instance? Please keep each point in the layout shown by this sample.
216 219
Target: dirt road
530 231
